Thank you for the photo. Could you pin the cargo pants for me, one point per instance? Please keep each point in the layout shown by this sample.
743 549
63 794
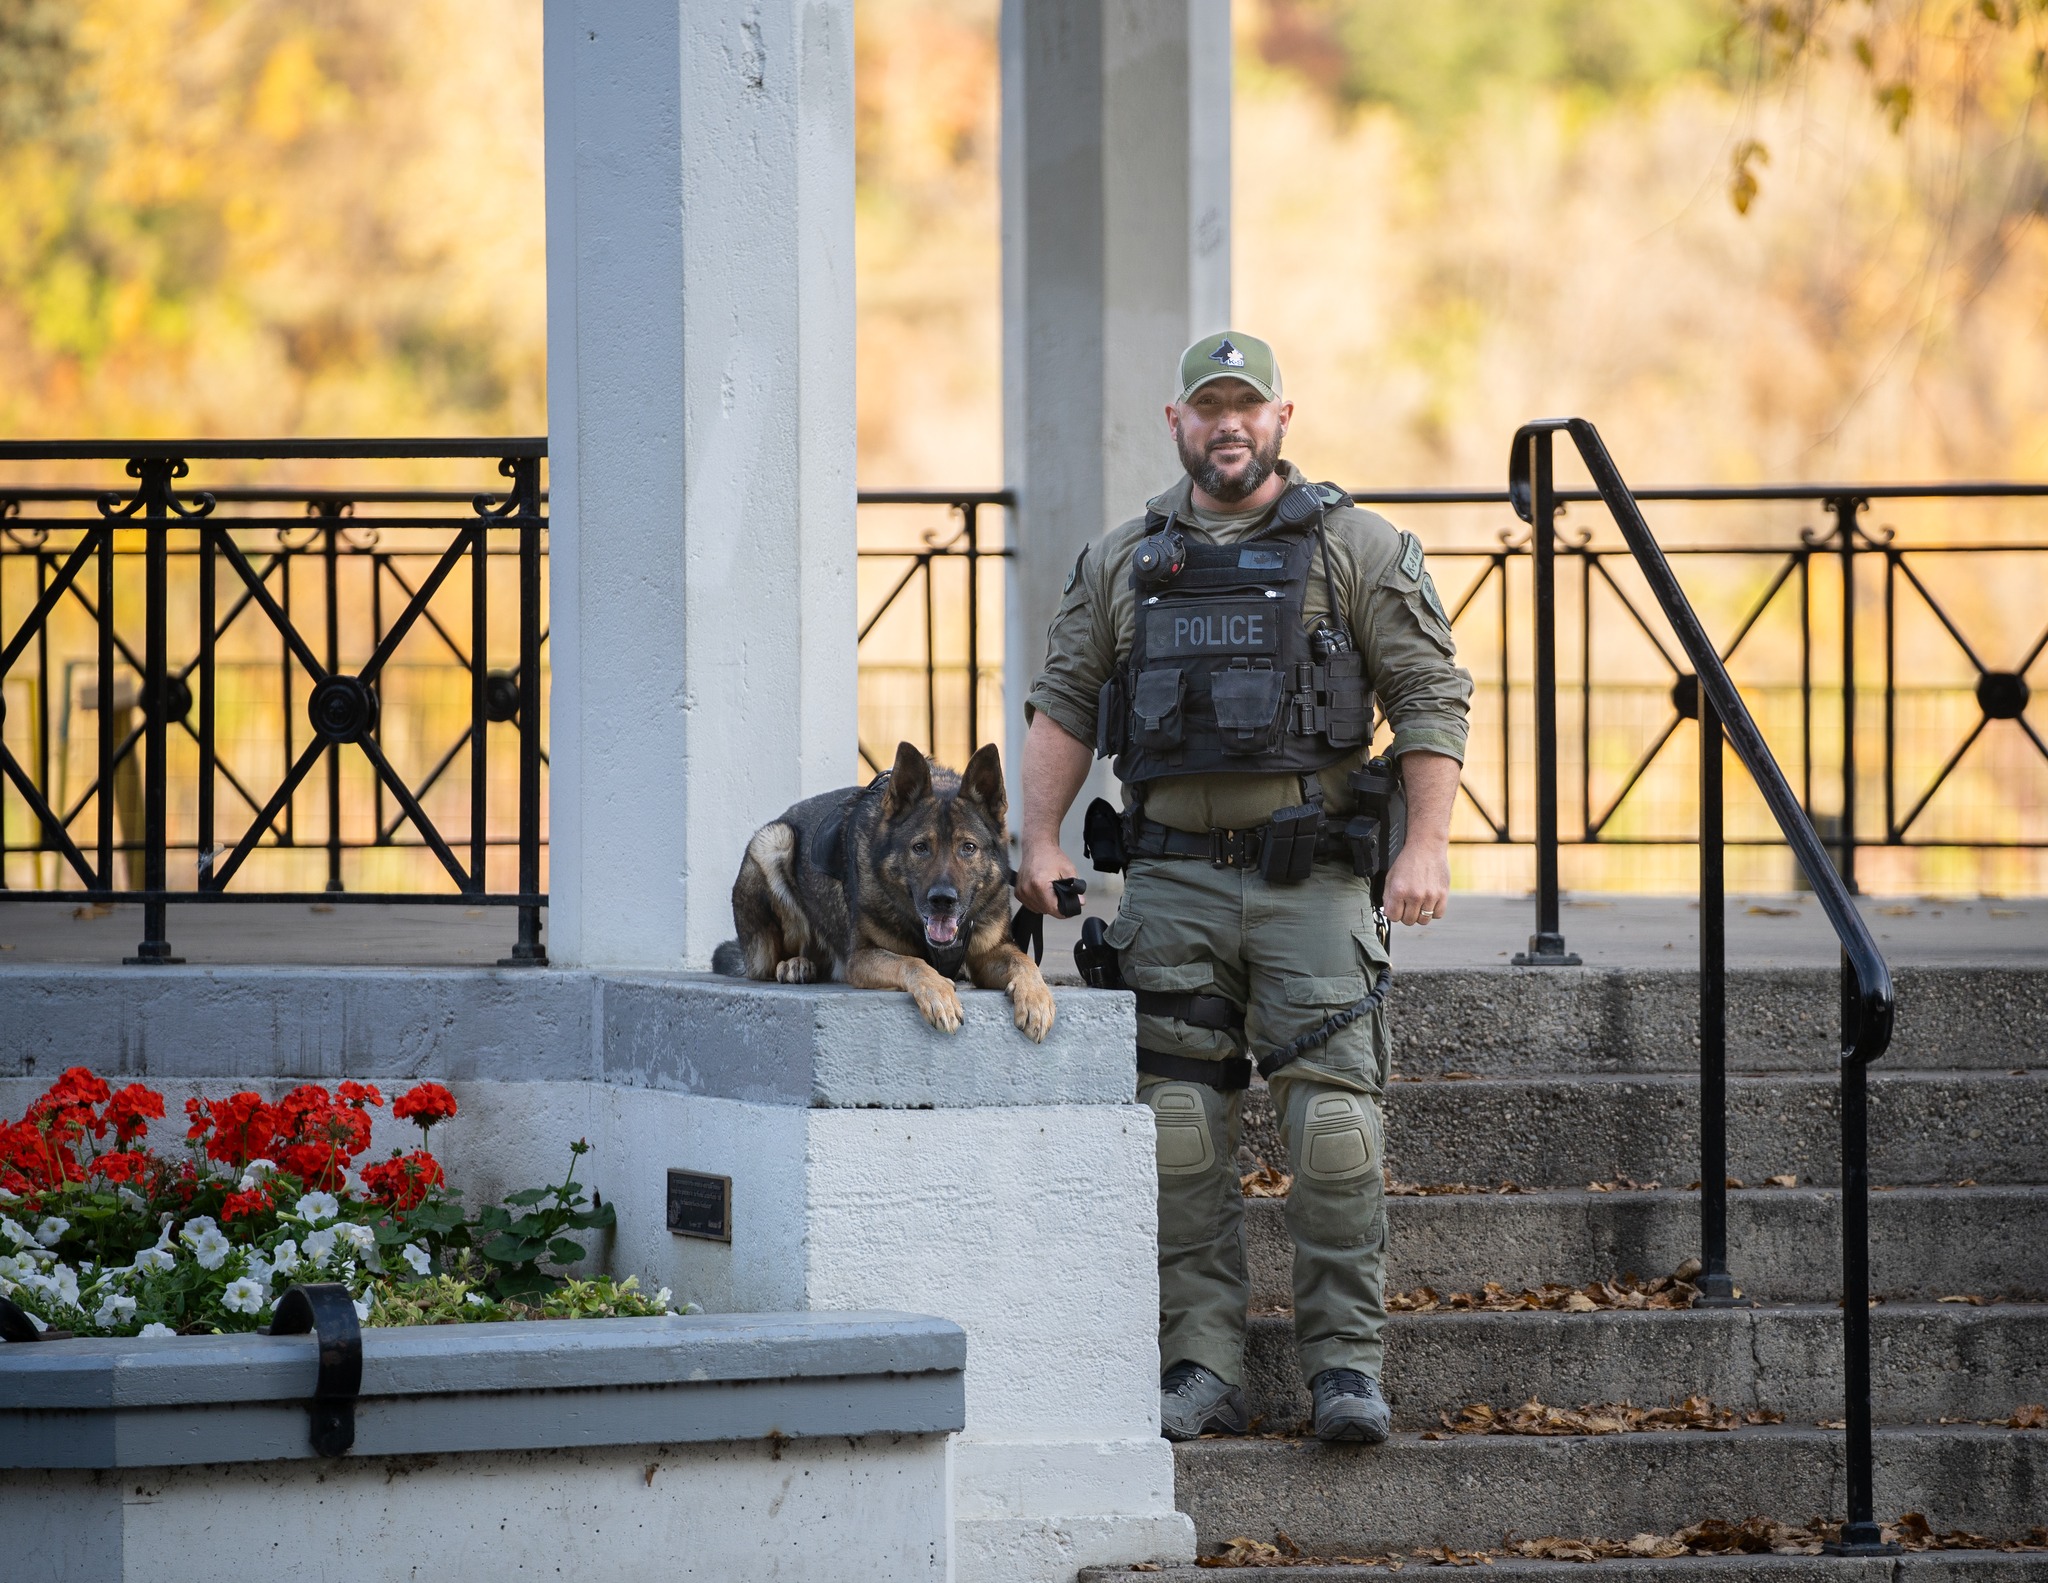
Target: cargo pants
1290 955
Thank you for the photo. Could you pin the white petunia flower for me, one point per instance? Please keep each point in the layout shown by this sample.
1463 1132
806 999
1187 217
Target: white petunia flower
259 1271
115 1310
320 1245
254 1173
284 1258
416 1256
15 1232
52 1230
663 1297
211 1249
363 1309
130 1200
244 1296
60 1283
360 1238
473 1298
154 1261
195 1228
153 1331
313 1208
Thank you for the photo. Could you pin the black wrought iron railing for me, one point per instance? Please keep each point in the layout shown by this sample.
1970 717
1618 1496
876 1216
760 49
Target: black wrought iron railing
945 633
1867 1000
271 641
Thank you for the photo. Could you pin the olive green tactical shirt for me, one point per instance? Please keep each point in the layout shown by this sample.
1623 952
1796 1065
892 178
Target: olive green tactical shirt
1389 603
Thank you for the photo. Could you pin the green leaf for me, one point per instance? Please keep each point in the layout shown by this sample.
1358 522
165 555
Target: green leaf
530 1195
563 1251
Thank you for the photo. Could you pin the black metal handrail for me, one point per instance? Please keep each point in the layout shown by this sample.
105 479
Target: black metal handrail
343 708
964 545
1867 997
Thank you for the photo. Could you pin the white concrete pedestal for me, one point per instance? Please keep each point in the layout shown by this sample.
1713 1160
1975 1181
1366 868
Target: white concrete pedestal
1006 1186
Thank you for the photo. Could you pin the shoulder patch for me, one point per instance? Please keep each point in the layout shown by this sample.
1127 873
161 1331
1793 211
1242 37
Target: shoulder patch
1429 595
1411 556
1333 495
1075 575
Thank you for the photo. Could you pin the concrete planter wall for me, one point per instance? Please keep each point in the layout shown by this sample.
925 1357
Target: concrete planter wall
874 1164
737 1447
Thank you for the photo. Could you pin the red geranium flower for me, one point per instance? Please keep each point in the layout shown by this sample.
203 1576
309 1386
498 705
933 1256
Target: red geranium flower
122 1165
425 1105
243 1129
403 1180
255 1201
359 1094
132 1109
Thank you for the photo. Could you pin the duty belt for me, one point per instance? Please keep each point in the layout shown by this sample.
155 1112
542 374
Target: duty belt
1223 848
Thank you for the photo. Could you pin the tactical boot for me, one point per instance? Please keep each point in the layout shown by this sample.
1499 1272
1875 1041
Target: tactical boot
1349 1406
1197 1401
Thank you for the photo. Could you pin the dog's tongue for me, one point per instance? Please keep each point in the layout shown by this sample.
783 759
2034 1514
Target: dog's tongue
940 931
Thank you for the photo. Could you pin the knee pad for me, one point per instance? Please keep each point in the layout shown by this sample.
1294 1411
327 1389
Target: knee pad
1338 1137
1182 1119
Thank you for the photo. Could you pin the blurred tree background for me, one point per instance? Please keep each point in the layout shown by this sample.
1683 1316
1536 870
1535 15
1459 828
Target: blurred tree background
1755 240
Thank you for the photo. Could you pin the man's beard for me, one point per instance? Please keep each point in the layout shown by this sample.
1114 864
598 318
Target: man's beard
1219 485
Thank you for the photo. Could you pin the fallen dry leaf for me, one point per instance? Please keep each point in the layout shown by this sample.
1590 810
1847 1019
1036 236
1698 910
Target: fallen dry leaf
91 910
2032 1416
1265 1182
1666 1291
1781 1181
1460 1077
1962 1297
1623 1184
1897 912
1599 1418
1773 912
1396 1188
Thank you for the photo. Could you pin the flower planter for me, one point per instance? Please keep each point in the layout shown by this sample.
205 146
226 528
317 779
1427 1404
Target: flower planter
734 1446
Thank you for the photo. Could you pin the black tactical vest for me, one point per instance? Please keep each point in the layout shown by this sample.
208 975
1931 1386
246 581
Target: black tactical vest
1222 676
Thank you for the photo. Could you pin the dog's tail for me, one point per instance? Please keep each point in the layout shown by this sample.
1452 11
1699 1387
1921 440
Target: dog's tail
729 960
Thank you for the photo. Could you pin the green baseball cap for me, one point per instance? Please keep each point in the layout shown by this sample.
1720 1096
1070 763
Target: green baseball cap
1230 354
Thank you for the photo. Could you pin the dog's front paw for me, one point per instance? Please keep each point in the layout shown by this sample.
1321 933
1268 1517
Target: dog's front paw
938 1001
796 970
1033 1005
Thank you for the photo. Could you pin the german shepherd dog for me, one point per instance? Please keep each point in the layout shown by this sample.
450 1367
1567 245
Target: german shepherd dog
899 884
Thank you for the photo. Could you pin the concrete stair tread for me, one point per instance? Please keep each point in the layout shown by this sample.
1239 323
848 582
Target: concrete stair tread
1473 1491
1929 1361
1952 1566
1927 1242
1927 1128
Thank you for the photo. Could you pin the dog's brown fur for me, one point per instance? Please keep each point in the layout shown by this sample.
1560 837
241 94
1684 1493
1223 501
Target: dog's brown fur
901 884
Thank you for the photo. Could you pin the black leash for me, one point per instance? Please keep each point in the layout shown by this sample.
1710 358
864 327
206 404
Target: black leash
1027 929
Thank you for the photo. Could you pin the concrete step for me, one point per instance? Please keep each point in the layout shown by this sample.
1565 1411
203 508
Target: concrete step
1497 1022
1928 1361
1953 1566
1785 1243
1566 1131
1474 1491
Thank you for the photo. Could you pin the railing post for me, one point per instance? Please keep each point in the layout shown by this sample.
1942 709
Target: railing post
1717 1288
1860 1534
330 556
1546 945
1844 508
528 951
968 529
155 485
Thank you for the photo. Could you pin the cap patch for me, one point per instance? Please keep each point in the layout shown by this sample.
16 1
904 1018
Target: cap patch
1228 355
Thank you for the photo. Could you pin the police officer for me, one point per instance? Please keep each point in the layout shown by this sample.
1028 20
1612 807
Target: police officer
1227 649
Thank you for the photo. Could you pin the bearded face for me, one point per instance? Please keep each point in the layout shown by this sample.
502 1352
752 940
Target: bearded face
1230 463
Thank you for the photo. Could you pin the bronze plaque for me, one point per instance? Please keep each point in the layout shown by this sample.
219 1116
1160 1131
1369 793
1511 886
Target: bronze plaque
700 1205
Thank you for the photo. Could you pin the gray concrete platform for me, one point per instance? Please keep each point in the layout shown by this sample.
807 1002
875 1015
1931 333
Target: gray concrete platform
1953 1566
1479 931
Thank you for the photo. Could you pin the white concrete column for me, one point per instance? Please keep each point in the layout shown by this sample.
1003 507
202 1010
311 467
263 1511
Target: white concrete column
701 436
1116 254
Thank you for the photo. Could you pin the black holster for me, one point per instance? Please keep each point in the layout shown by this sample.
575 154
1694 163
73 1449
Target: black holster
1370 829
1102 837
1095 957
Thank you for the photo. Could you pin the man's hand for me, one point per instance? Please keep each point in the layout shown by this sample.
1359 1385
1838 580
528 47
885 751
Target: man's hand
1042 865
1419 883
1055 764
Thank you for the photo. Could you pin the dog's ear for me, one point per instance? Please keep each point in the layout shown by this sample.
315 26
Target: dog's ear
910 780
982 783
